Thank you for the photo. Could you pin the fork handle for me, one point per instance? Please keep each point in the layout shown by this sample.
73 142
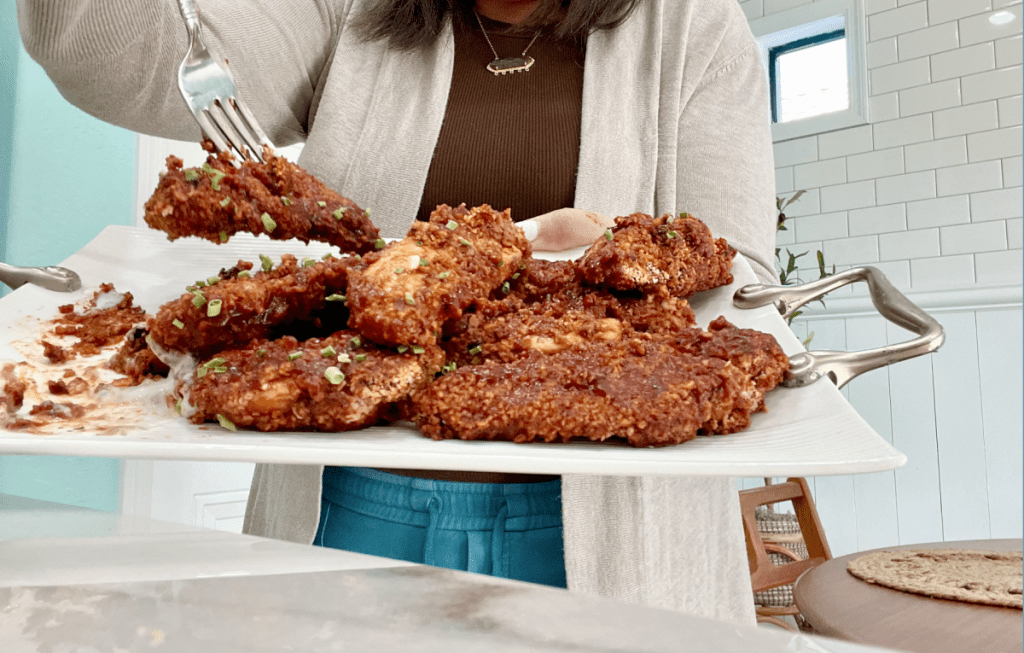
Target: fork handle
190 12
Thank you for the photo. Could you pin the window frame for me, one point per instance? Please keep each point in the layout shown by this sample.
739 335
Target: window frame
810 21
786 48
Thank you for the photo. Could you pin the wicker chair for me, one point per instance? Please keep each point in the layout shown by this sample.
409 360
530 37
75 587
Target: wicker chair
766 574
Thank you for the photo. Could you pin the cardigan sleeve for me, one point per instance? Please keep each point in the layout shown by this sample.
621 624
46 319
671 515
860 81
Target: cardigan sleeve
118 59
725 168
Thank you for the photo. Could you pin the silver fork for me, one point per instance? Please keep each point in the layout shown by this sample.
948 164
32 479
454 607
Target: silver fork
210 93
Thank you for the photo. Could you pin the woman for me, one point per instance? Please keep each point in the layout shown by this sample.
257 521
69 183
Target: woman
655 106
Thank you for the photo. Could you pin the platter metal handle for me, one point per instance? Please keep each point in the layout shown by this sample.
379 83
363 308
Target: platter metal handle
49 277
842 366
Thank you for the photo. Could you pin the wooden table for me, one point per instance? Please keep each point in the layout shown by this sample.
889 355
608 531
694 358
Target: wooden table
840 605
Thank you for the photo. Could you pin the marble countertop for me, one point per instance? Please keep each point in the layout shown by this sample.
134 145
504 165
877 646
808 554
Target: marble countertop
81 580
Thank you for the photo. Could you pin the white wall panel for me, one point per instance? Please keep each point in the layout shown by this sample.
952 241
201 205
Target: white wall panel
961 442
999 356
913 433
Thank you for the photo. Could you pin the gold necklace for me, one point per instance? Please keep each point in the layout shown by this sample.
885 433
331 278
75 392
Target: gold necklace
501 66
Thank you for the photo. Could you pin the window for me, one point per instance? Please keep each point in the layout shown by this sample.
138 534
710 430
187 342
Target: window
814 59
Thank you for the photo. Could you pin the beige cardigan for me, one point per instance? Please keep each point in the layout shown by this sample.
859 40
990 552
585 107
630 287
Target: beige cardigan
674 119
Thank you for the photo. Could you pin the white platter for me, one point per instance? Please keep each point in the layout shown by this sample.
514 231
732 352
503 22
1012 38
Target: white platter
810 431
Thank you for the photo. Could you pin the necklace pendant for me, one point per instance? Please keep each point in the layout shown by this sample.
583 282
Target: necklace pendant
510 65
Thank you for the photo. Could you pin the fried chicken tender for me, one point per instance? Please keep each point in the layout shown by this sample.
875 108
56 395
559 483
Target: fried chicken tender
277 198
338 383
239 308
507 331
643 391
644 253
409 289
758 354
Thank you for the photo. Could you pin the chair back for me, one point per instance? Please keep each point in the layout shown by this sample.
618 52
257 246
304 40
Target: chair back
763 574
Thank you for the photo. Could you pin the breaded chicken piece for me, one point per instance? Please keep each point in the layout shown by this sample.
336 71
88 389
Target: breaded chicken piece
338 383
758 354
507 331
238 308
277 198
644 253
645 392
409 289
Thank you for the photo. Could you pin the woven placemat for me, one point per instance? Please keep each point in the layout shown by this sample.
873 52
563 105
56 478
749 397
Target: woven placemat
986 577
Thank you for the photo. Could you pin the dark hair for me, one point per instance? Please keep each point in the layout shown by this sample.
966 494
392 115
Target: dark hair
412 24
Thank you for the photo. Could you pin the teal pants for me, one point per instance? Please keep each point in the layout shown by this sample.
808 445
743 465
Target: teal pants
509 530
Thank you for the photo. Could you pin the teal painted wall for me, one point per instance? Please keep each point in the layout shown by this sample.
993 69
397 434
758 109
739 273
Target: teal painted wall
64 176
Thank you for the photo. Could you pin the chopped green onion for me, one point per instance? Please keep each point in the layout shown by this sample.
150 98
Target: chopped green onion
294 355
219 370
321 204
215 178
212 280
339 213
515 276
223 236
178 323
177 406
225 201
367 212
402 349
522 266
379 243
201 372
261 353
399 270
308 262
286 201
409 299
334 375
207 168
608 234
213 310
684 215
416 349
327 256
464 242
453 225
191 175
335 298
201 283
268 222
344 358
501 264
214 362
476 350
226 423
360 358
505 287
197 299
355 343
328 351
244 273
424 262
268 263
443 275
671 234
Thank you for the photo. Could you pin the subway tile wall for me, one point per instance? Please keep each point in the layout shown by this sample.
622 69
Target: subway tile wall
931 190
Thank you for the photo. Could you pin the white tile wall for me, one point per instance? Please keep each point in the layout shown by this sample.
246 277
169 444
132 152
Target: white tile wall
930 97
977 29
940 11
931 187
965 120
897 21
963 61
928 41
994 84
936 154
996 144
1009 111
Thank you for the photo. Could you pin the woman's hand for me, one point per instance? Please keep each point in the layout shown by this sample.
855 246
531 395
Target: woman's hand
565 229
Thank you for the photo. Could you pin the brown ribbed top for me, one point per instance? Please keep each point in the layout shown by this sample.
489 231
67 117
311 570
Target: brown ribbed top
511 141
